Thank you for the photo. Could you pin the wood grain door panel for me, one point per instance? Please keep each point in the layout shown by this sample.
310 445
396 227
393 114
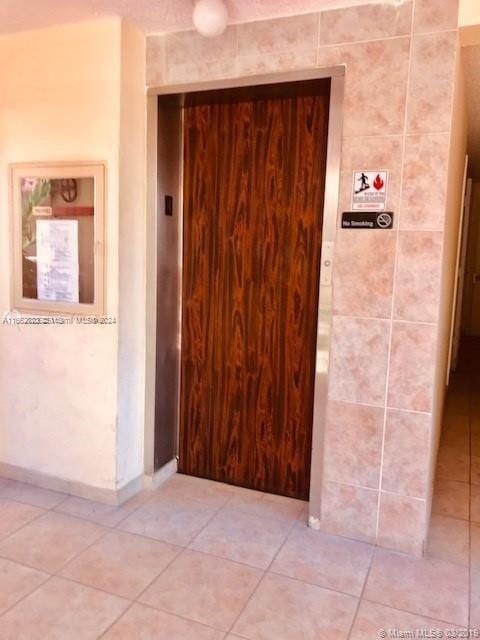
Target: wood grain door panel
254 175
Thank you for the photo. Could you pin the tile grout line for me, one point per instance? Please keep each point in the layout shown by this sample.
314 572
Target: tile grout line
395 271
410 612
181 552
224 506
49 574
266 572
360 597
391 318
411 34
107 531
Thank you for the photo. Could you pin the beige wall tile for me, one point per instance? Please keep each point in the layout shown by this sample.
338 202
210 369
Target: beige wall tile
401 524
367 22
349 511
359 360
282 61
417 283
353 443
424 187
406 453
376 79
281 34
432 15
155 60
363 273
431 82
190 57
371 153
412 366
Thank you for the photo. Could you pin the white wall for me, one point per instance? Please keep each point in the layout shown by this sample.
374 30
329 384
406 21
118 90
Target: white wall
131 357
458 150
468 13
62 97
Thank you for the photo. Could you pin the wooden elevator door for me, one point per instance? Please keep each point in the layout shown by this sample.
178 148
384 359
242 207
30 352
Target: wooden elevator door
254 176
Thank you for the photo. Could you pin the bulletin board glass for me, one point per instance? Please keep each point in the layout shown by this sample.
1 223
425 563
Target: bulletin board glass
58 213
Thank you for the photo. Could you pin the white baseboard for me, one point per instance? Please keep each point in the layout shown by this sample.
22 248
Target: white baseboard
79 489
162 475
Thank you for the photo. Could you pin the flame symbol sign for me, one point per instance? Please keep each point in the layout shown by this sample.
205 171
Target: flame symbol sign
378 183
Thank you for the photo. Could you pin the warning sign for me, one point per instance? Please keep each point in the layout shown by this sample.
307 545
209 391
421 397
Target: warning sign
369 191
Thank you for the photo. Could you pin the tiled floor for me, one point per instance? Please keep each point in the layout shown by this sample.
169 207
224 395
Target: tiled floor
195 560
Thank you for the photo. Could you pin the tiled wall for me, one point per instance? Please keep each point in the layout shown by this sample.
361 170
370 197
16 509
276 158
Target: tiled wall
398 103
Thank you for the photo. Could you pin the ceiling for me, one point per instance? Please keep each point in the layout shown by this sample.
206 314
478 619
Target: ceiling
471 58
150 15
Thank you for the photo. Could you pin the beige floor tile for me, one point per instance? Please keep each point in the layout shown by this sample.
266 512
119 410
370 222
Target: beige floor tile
457 402
475 503
456 423
143 623
121 563
49 542
62 610
242 537
373 618
448 539
103 514
453 465
475 470
267 505
4 483
35 496
451 499
213 494
423 586
475 545
14 515
475 600
325 560
170 518
16 581
293 610
204 588
475 446
456 434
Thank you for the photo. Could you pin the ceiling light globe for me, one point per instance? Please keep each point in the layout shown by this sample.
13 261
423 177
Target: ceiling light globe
210 17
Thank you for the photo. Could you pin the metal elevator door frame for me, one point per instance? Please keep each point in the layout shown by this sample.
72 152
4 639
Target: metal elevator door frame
164 233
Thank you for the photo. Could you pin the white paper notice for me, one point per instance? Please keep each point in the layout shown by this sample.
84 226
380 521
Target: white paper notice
369 190
57 260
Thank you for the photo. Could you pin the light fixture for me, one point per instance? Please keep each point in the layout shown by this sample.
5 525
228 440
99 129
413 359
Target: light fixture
210 17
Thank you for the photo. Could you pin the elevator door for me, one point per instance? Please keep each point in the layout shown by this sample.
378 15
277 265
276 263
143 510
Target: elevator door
254 176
